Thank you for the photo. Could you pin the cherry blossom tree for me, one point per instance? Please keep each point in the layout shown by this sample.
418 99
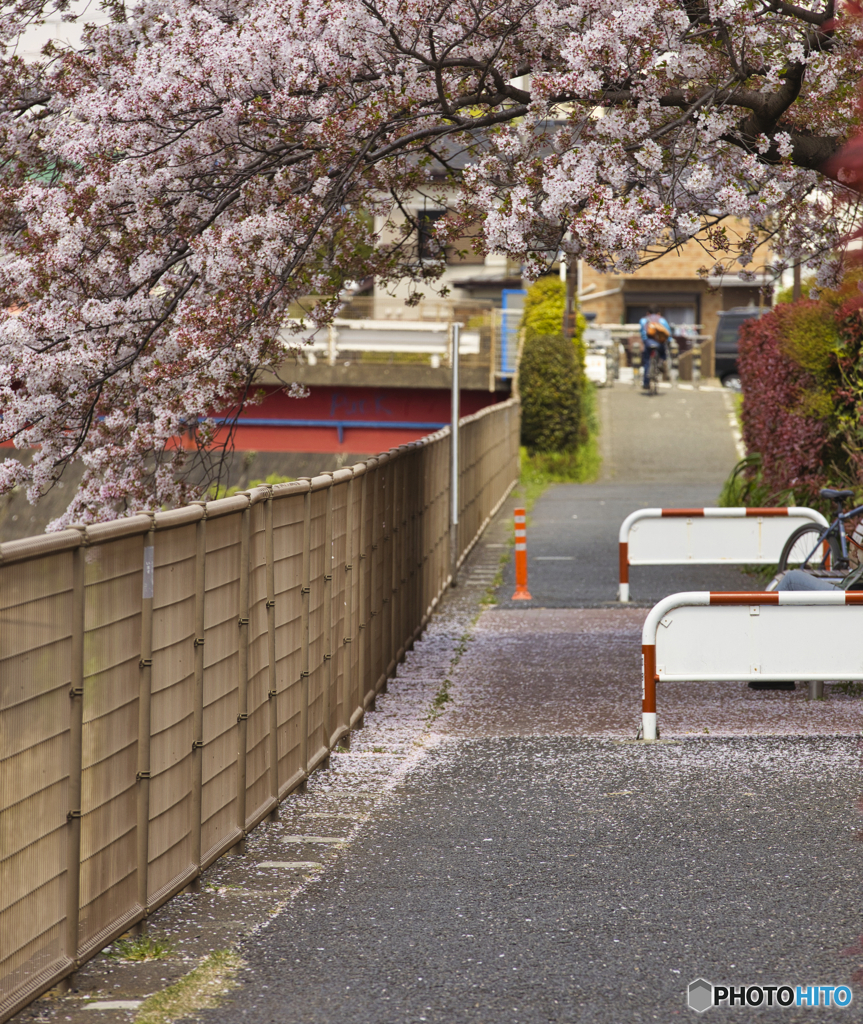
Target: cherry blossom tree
172 185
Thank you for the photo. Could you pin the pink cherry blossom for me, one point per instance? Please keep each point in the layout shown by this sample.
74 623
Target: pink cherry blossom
174 184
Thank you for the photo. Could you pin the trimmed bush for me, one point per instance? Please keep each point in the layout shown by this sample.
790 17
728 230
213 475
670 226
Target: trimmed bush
550 385
551 376
801 367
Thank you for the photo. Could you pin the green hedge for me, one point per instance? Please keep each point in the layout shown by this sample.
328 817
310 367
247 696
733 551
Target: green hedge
552 384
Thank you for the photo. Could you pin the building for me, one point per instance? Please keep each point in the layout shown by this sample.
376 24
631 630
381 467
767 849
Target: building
673 283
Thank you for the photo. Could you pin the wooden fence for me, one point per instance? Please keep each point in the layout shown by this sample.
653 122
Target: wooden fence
167 679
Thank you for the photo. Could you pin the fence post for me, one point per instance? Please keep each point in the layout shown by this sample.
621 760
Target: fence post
348 638
198 712
393 584
76 730
374 573
386 512
361 633
399 549
328 621
243 677
272 692
145 692
454 459
305 592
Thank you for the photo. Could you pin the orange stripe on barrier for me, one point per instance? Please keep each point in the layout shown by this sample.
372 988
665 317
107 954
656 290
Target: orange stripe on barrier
744 597
767 512
648 696
521 591
624 561
854 597
679 512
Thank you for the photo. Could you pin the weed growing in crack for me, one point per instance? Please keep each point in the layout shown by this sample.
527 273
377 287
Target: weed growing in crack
144 947
198 990
440 701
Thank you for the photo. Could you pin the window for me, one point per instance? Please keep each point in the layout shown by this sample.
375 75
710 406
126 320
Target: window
428 247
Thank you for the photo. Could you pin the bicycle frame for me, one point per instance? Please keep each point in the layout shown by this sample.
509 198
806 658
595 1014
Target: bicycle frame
834 527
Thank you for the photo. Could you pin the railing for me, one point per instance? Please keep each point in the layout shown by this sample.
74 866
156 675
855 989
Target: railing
707 536
369 327
167 679
738 636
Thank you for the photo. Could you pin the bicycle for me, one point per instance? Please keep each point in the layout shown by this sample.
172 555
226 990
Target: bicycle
654 371
811 547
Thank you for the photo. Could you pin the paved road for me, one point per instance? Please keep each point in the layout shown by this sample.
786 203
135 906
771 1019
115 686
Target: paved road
666 450
536 865
538 880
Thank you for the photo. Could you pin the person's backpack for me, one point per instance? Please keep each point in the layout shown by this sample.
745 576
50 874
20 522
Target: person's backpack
656 329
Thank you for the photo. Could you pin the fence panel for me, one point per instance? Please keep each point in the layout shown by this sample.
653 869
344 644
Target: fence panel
288 516
258 797
318 550
165 679
36 621
109 800
356 510
338 593
172 710
219 828
377 663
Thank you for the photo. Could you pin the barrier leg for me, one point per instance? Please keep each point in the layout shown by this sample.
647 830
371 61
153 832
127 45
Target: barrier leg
648 694
521 591
816 689
623 587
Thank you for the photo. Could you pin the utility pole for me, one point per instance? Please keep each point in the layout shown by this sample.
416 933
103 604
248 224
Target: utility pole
797 291
571 296
454 416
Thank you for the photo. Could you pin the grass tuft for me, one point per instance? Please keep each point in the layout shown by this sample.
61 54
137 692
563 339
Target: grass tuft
144 947
441 699
200 989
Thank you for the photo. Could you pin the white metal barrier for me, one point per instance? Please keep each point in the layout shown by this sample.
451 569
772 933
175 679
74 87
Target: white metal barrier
706 536
419 336
715 636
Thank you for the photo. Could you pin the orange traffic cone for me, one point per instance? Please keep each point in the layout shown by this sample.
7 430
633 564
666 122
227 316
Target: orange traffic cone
521 591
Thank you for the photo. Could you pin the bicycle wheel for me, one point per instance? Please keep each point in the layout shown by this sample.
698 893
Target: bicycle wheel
654 372
803 551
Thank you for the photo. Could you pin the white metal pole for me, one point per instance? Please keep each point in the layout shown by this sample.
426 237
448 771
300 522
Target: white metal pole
453 534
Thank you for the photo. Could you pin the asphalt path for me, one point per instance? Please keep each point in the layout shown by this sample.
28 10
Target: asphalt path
535 864
537 880
674 449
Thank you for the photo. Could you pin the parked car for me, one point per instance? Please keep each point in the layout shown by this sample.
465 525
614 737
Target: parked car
727 335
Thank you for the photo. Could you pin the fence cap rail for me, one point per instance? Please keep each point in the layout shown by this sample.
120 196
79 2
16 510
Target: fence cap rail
179 516
508 404
42 544
225 506
321 482
97 533
285 490
257 494
101 533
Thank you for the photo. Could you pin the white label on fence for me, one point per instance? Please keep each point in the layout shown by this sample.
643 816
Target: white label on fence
148 573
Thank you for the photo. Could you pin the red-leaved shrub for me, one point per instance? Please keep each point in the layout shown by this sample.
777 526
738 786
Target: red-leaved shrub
801 367
791 444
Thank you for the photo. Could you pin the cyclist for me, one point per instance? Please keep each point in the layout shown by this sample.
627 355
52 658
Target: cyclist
799 579
655 332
